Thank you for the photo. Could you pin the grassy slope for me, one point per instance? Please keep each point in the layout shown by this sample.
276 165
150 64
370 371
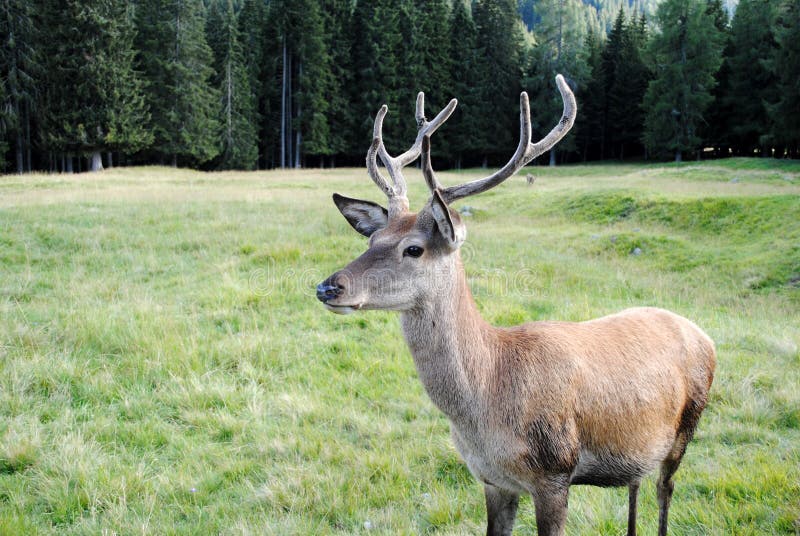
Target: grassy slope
165 368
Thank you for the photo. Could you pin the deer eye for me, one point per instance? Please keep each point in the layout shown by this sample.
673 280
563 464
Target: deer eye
413 251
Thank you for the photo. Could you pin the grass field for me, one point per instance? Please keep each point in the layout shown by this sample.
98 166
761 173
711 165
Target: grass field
166 369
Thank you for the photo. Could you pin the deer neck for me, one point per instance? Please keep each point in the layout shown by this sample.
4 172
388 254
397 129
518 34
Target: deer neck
452 347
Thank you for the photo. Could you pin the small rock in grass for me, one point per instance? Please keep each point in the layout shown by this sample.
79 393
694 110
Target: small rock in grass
614 239
636 251
735 180
595 236
368 525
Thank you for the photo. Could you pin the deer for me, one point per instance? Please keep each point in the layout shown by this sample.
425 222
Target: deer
535 408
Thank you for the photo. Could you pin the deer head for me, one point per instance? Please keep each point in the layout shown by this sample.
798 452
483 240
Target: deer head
412 256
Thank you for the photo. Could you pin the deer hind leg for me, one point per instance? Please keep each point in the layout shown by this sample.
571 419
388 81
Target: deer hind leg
633 495
550 499
688 423
501 510
665 487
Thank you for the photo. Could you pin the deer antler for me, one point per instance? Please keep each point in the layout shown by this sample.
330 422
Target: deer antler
526 151
397 192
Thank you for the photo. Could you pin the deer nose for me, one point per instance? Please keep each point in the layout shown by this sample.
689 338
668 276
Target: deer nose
327 291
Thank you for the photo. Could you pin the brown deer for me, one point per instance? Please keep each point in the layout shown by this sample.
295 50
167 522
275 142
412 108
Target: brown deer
537 407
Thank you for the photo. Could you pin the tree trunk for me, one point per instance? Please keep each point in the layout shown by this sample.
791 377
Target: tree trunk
289 108
229 106
552 157
299 139
174 160
96 162
110 159
678 156
28 136
283 108
20 163
69 163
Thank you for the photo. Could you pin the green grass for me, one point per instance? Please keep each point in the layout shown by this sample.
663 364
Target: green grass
165 368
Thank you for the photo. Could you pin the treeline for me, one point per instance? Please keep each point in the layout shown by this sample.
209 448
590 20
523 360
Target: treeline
248 84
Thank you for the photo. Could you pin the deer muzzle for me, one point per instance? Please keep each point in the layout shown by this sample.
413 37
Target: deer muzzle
327 291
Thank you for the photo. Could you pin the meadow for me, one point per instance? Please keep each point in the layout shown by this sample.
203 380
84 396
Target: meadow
166 369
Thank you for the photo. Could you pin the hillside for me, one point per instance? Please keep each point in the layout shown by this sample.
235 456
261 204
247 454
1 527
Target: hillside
603 11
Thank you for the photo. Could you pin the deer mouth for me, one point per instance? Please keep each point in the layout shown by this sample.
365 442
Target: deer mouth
342 309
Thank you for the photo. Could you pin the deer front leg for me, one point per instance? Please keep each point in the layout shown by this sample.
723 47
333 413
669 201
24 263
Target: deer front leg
550 499
501 510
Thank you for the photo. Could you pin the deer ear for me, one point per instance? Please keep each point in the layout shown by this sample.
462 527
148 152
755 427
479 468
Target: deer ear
365 217
447 221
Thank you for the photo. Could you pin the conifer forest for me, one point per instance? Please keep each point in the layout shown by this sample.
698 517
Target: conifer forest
256 84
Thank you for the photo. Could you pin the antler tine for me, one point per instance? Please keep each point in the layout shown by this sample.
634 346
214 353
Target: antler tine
374 148
526 151
425 127
564 124
397 192
419 114
427 168
394 165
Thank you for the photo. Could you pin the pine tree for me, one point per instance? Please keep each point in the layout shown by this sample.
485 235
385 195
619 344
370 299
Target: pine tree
686 51
272 87
305 78
630 79
611 59
499 45
314 86
589 131
19 69
377 40
177 65
3 128
464 84
426 65
93 94
559 50
717 127
338 41
239 149
751 83
785 63
253 25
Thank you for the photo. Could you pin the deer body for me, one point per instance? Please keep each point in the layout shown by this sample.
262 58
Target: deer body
603 401
533 408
